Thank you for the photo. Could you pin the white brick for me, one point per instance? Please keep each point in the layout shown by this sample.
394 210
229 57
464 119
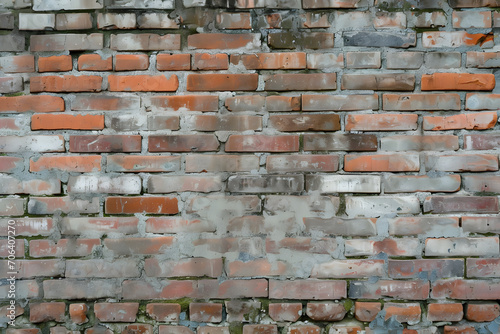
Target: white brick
36 21
42 5
487 246
146 4
381 205
104 184
14 144
156 21
116 21
343 183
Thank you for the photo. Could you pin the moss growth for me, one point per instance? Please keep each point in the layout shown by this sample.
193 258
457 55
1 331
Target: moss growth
14 94
342 205
348 304
236 328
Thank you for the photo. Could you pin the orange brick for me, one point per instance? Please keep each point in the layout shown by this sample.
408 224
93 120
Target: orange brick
404 312
141 204
207 61
177 62
35 103
458 81
445 312
271 61
66 83
482 312
94 62
381 122
55 64
73 122
382 163
222 82
143 83
475 121
81 164
131 62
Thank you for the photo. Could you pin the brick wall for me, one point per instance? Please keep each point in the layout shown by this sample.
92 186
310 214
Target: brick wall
292 166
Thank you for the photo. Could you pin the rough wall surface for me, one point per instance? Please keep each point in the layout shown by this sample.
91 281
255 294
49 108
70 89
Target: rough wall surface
249 166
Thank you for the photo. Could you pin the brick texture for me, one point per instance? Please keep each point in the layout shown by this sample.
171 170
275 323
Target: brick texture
264 166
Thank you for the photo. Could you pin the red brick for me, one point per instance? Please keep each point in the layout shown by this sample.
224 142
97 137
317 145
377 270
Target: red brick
340 142
223 41
476 121
260 329
262 143
457 81
390 246
411 290
285 311
183 143
18 64
138 329
12 123
116 312
142 163
381 122
35 268
205 312
141 204
164 312
66 83
173 62
302 163
44 312
282 103
464 329
164 329
222 82
302 244
445 312
483 267
227 20
34 103
55 64
389 81
439 268
238 123
105 102
81 164
481 142
145 246
403 312
469 204
256 268
190 267
271 61
465 289
245 103
326 311
185 102
482 312
94 62
72 122
11 164
63 248
455 39
367 311
305 122
143 83
73 21
286 82
349 269
12 206
307 289
381 163
125 62
208 62
413 102
78 313
105 143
